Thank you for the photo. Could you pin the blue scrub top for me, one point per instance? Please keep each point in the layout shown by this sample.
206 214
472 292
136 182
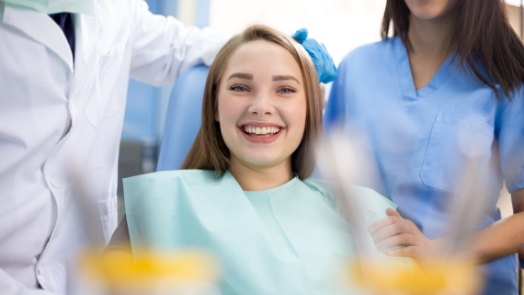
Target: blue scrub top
422 139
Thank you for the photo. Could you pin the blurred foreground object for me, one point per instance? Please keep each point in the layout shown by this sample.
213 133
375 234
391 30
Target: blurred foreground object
450 270
427 277
120 272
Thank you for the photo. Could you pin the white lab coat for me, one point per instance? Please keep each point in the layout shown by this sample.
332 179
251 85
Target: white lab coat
60 127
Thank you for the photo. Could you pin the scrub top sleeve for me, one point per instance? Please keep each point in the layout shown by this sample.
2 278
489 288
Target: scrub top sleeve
511 141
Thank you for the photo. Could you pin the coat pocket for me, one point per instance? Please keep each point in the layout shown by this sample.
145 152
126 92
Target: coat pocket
109 73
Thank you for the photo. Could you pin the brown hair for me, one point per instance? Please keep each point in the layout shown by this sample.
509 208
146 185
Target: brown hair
482 34
209 150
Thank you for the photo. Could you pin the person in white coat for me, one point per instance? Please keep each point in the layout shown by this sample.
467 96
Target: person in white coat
61 116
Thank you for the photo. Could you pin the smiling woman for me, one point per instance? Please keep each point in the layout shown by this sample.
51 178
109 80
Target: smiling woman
262 112
259 79
245 194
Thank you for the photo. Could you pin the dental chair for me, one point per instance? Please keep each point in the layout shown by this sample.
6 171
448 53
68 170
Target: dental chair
183 118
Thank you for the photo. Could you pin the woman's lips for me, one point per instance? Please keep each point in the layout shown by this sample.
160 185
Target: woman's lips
261 133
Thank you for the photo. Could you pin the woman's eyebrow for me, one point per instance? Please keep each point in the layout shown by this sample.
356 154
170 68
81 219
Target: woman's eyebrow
285 77
241 76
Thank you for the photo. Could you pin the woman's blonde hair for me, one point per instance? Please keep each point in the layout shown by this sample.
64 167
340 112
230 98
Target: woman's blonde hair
209 150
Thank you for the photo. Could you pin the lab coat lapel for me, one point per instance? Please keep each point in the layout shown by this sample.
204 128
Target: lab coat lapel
40 27
85 61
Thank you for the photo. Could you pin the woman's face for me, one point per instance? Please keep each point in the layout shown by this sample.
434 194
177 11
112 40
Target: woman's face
261 106
430 9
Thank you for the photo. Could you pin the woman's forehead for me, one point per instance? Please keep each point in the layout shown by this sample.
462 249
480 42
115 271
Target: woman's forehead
261 56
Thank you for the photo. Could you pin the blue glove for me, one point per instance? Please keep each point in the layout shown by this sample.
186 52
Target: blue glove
324 64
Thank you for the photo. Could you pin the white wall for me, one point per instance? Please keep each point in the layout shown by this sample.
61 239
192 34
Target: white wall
340 24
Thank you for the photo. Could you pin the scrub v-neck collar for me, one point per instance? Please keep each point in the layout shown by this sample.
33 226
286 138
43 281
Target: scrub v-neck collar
405 74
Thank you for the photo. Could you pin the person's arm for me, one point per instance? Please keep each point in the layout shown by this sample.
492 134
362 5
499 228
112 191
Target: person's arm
163 47
518 206
398 236
507 236
504 237
10 286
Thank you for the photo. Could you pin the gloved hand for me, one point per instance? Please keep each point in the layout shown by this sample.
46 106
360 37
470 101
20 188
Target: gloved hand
324 64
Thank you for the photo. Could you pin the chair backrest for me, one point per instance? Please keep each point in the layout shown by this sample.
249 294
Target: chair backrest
183 118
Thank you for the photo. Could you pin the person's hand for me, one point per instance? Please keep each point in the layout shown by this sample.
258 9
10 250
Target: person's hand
398 236
324 65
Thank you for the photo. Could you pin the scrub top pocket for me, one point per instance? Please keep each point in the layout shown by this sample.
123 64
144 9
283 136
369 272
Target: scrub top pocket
454 144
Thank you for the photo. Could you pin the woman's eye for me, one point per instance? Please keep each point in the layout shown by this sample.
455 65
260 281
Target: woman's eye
286 90
238 88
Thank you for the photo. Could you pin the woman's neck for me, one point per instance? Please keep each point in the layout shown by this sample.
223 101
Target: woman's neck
257 179
430 44
430 38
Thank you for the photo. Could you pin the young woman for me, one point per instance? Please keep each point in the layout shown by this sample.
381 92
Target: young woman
245 195
441 102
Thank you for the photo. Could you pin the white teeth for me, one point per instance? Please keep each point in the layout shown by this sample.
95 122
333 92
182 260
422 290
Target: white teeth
261 130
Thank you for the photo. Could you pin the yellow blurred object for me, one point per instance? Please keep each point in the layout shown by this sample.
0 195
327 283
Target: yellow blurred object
428 277
141 269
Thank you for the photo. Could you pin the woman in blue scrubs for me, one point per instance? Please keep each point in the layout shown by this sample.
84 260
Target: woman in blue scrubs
441 103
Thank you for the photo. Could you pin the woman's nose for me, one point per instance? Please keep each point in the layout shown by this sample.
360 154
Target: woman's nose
261 105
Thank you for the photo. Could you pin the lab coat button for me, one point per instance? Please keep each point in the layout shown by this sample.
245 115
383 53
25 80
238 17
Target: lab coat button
35 261
39 271
72 109
55 182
